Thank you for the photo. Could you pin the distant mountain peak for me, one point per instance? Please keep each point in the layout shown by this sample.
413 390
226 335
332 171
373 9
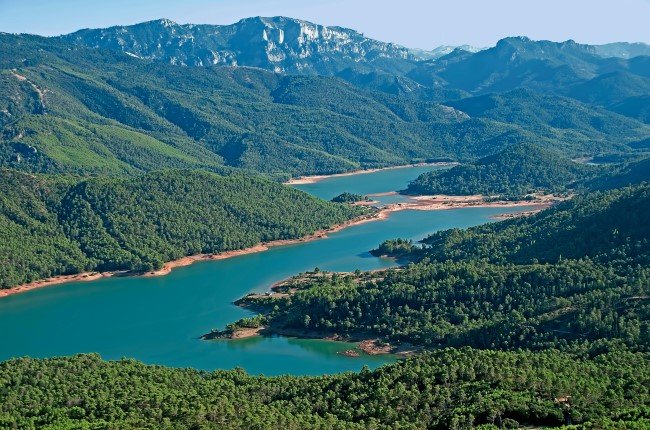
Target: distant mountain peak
167 22
295 46
623 49
277 43
443 50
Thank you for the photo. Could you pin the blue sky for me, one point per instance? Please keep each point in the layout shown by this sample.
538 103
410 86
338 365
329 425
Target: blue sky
413 23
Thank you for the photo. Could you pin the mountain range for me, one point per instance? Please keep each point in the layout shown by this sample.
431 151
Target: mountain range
288 97
295 46
280 44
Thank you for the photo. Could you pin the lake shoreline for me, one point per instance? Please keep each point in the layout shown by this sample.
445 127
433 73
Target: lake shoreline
187 260
423 203
446 202
302 180
366 343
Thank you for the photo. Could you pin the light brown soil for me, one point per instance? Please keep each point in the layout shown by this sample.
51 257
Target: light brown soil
246 333
428 203
388 193
316 178
240 333
41 93
442 202
366 203
86 276
502 217
375 347
186 261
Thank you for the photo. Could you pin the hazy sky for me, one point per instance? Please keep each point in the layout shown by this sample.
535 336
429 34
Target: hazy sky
413 23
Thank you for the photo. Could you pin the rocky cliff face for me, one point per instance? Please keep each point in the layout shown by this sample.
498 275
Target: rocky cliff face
279 44
297 47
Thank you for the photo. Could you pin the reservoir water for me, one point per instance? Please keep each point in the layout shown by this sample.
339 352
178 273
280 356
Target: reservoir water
159 320
380 181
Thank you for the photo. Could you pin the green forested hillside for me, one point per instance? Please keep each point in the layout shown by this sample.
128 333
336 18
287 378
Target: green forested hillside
346 197
72 109
635 107
515 171
52 226
113 162
32 243
474 304
608 227
596 311
516 62
450 389
571 275
630 173
556 117
611 88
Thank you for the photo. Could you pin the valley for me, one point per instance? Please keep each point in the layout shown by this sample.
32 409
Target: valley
274 223
184 303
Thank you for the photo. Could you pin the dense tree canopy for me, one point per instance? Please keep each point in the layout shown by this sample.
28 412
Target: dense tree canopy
454 389
64 108
51 226
621 175
538 321
348 198
572 274
611 227
515 171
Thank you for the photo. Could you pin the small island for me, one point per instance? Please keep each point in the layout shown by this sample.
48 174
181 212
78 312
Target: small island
395 248
349 198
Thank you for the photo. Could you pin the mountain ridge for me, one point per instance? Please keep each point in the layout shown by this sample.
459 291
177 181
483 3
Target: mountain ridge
276 43
101 103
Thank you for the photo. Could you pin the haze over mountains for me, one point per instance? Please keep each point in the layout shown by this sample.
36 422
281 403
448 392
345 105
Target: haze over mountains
285 96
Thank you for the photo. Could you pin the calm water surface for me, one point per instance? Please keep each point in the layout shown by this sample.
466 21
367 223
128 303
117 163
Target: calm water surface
369 183
158 320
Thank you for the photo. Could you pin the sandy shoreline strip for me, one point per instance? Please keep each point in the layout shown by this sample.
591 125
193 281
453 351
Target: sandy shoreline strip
186 261
443 202
316 178
424 203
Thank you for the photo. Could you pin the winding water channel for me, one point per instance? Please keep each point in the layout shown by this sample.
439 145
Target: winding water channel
158 320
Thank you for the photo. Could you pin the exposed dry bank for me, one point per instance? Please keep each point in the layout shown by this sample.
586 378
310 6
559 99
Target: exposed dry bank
301 180
424 203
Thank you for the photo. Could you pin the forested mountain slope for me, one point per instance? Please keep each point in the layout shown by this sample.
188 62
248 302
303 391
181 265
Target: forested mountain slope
451 389
623 49
637 107
555 116
126 147
87 110
278 44
595 309
623 175
516 62
601 75
564 68
72 109
299 47
564 278
514 172
606 226
52 226
611 88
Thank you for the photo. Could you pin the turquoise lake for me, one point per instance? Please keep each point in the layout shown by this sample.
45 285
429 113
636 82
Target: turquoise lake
368 183
159 320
